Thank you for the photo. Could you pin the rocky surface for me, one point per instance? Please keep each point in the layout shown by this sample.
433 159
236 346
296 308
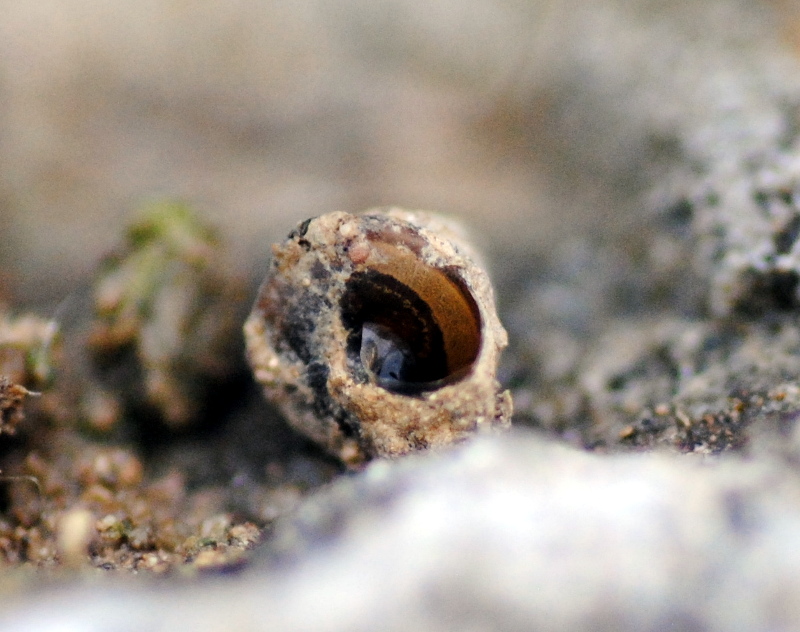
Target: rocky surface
515 534
640 163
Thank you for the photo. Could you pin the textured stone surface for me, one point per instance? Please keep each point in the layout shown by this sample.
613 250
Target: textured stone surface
718 114
510 533
658 138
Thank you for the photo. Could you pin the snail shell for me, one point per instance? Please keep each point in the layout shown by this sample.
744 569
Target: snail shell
377 334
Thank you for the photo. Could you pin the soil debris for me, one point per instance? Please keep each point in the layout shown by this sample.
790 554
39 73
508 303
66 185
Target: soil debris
166 327
12 397
132 458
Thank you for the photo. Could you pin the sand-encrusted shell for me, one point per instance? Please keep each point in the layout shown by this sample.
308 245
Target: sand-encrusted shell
377 334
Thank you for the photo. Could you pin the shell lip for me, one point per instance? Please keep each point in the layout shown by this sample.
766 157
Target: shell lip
406 345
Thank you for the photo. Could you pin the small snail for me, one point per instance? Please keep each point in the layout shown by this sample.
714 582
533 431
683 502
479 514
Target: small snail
377 334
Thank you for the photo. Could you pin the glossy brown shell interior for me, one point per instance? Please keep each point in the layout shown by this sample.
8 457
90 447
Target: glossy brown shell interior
428 308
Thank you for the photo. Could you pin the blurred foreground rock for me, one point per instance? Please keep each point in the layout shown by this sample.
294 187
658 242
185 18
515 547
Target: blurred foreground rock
511 533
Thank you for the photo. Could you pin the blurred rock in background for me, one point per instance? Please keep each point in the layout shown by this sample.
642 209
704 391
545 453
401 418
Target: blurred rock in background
261 114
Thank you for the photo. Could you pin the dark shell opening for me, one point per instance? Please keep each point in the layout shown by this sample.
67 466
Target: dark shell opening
410 339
